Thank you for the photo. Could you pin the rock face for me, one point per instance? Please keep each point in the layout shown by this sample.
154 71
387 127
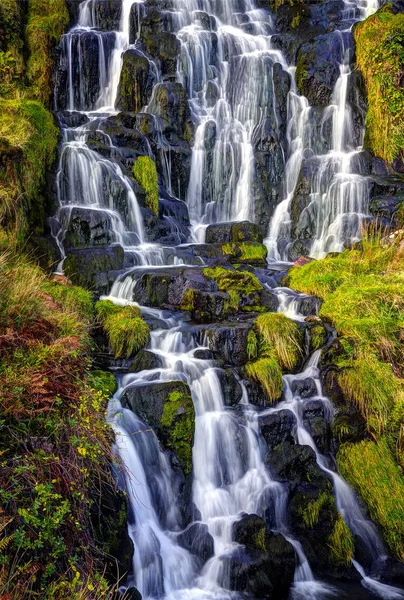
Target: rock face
167 407
136 83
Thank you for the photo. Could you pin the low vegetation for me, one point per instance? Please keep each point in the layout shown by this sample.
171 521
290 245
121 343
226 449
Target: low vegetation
127 332
363 297
380 57
275 342
145 174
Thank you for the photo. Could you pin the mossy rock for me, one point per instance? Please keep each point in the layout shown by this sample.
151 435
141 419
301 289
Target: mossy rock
240 231
168 408
318 337
136 82
83 266
252 253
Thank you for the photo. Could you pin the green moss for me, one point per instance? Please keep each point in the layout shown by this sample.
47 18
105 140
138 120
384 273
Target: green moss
145 173
103 382
259 539
127 332
237 284
267 372
179 420
311 512
341 543
246 252
380 57
318 337
47 21
72 297
370 468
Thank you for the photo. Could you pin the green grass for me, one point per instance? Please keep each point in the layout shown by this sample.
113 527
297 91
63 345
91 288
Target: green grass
268 373
370 468
279 337
341 543
363 293
127 332
380 57
28 141
145 173
311 513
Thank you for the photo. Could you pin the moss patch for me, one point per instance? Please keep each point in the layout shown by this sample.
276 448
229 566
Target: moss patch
178 420
145 173
126 330
246 252
370 468
380 57
267 372
311 512
241 286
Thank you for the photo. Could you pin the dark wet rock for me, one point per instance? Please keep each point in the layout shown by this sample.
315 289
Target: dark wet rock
278 427
305 388
228 342
130 593
386 209
168 408
320 432
318 68
136 82
247 571
83 266
146 361
357 102
208 307
297 464
203 354
72 119
166 288
251 531
87 228
299 248
197 540
231 388
166 48
388 570
241 231
170 103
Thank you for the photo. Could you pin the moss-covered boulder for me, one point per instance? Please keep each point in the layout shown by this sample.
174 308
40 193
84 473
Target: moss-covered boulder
136 82
165 47
275 554
251 253
170 103
168 408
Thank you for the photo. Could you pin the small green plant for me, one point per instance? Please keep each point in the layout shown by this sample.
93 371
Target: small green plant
267 372
126 330
341 543
311 513
145 173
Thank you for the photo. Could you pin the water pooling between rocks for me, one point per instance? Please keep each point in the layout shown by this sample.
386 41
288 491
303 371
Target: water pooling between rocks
208 75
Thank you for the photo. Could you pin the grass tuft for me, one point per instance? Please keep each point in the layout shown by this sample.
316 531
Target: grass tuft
145 173
126 330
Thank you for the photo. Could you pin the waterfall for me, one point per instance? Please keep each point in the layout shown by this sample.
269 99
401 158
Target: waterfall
339 194
228 64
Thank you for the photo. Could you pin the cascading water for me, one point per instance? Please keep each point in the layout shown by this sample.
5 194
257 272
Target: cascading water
338 194
227 65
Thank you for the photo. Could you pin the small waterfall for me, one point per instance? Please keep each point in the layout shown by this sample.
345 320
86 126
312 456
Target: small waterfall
338 192
226 66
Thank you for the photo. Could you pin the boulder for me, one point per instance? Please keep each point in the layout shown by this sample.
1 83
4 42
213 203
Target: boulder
228 342
168 408
278 427
197 540
87 228
170 103
242 231
231 388
83 267
136 82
